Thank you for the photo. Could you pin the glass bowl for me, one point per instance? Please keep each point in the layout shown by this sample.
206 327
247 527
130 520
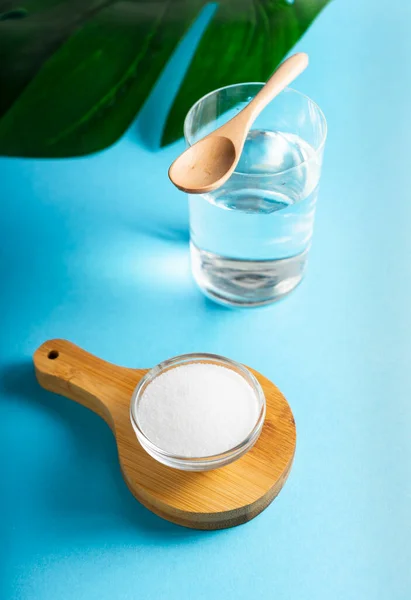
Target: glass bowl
204 463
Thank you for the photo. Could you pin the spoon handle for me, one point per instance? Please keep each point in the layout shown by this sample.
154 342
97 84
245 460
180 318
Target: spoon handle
285 74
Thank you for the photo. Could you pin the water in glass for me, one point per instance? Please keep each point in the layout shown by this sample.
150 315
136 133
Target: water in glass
250 238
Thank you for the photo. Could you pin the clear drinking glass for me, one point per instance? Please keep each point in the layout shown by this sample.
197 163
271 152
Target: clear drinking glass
250 238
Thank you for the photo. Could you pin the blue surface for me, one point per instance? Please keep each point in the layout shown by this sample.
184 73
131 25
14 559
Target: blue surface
95 250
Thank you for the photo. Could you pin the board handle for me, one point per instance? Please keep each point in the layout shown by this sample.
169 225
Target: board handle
64 368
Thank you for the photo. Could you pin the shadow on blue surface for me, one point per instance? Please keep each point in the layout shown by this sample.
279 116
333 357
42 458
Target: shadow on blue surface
150 122
176 235
90 489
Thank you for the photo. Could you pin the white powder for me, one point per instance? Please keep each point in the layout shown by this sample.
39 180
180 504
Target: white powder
198 410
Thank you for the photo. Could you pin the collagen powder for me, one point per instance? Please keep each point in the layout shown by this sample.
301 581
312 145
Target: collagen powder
197 410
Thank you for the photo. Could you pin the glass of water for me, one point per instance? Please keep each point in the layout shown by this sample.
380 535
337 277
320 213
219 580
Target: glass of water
250 238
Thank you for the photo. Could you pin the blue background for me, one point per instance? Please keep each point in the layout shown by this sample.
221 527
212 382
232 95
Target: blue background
95 250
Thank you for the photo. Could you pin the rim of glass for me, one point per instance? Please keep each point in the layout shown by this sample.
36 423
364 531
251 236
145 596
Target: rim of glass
198 357
319 148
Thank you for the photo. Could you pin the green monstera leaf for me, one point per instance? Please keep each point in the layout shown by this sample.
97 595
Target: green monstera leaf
75 73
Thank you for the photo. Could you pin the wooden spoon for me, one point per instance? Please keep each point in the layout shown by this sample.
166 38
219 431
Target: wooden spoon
208 164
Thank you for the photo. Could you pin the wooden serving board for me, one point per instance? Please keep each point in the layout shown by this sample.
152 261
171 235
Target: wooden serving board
215 499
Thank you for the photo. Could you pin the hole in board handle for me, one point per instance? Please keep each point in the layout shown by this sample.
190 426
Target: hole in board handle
53 354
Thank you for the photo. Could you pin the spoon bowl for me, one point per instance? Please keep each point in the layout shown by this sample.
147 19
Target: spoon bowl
205 166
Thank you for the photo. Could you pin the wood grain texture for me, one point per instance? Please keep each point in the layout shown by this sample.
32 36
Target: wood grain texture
215 499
